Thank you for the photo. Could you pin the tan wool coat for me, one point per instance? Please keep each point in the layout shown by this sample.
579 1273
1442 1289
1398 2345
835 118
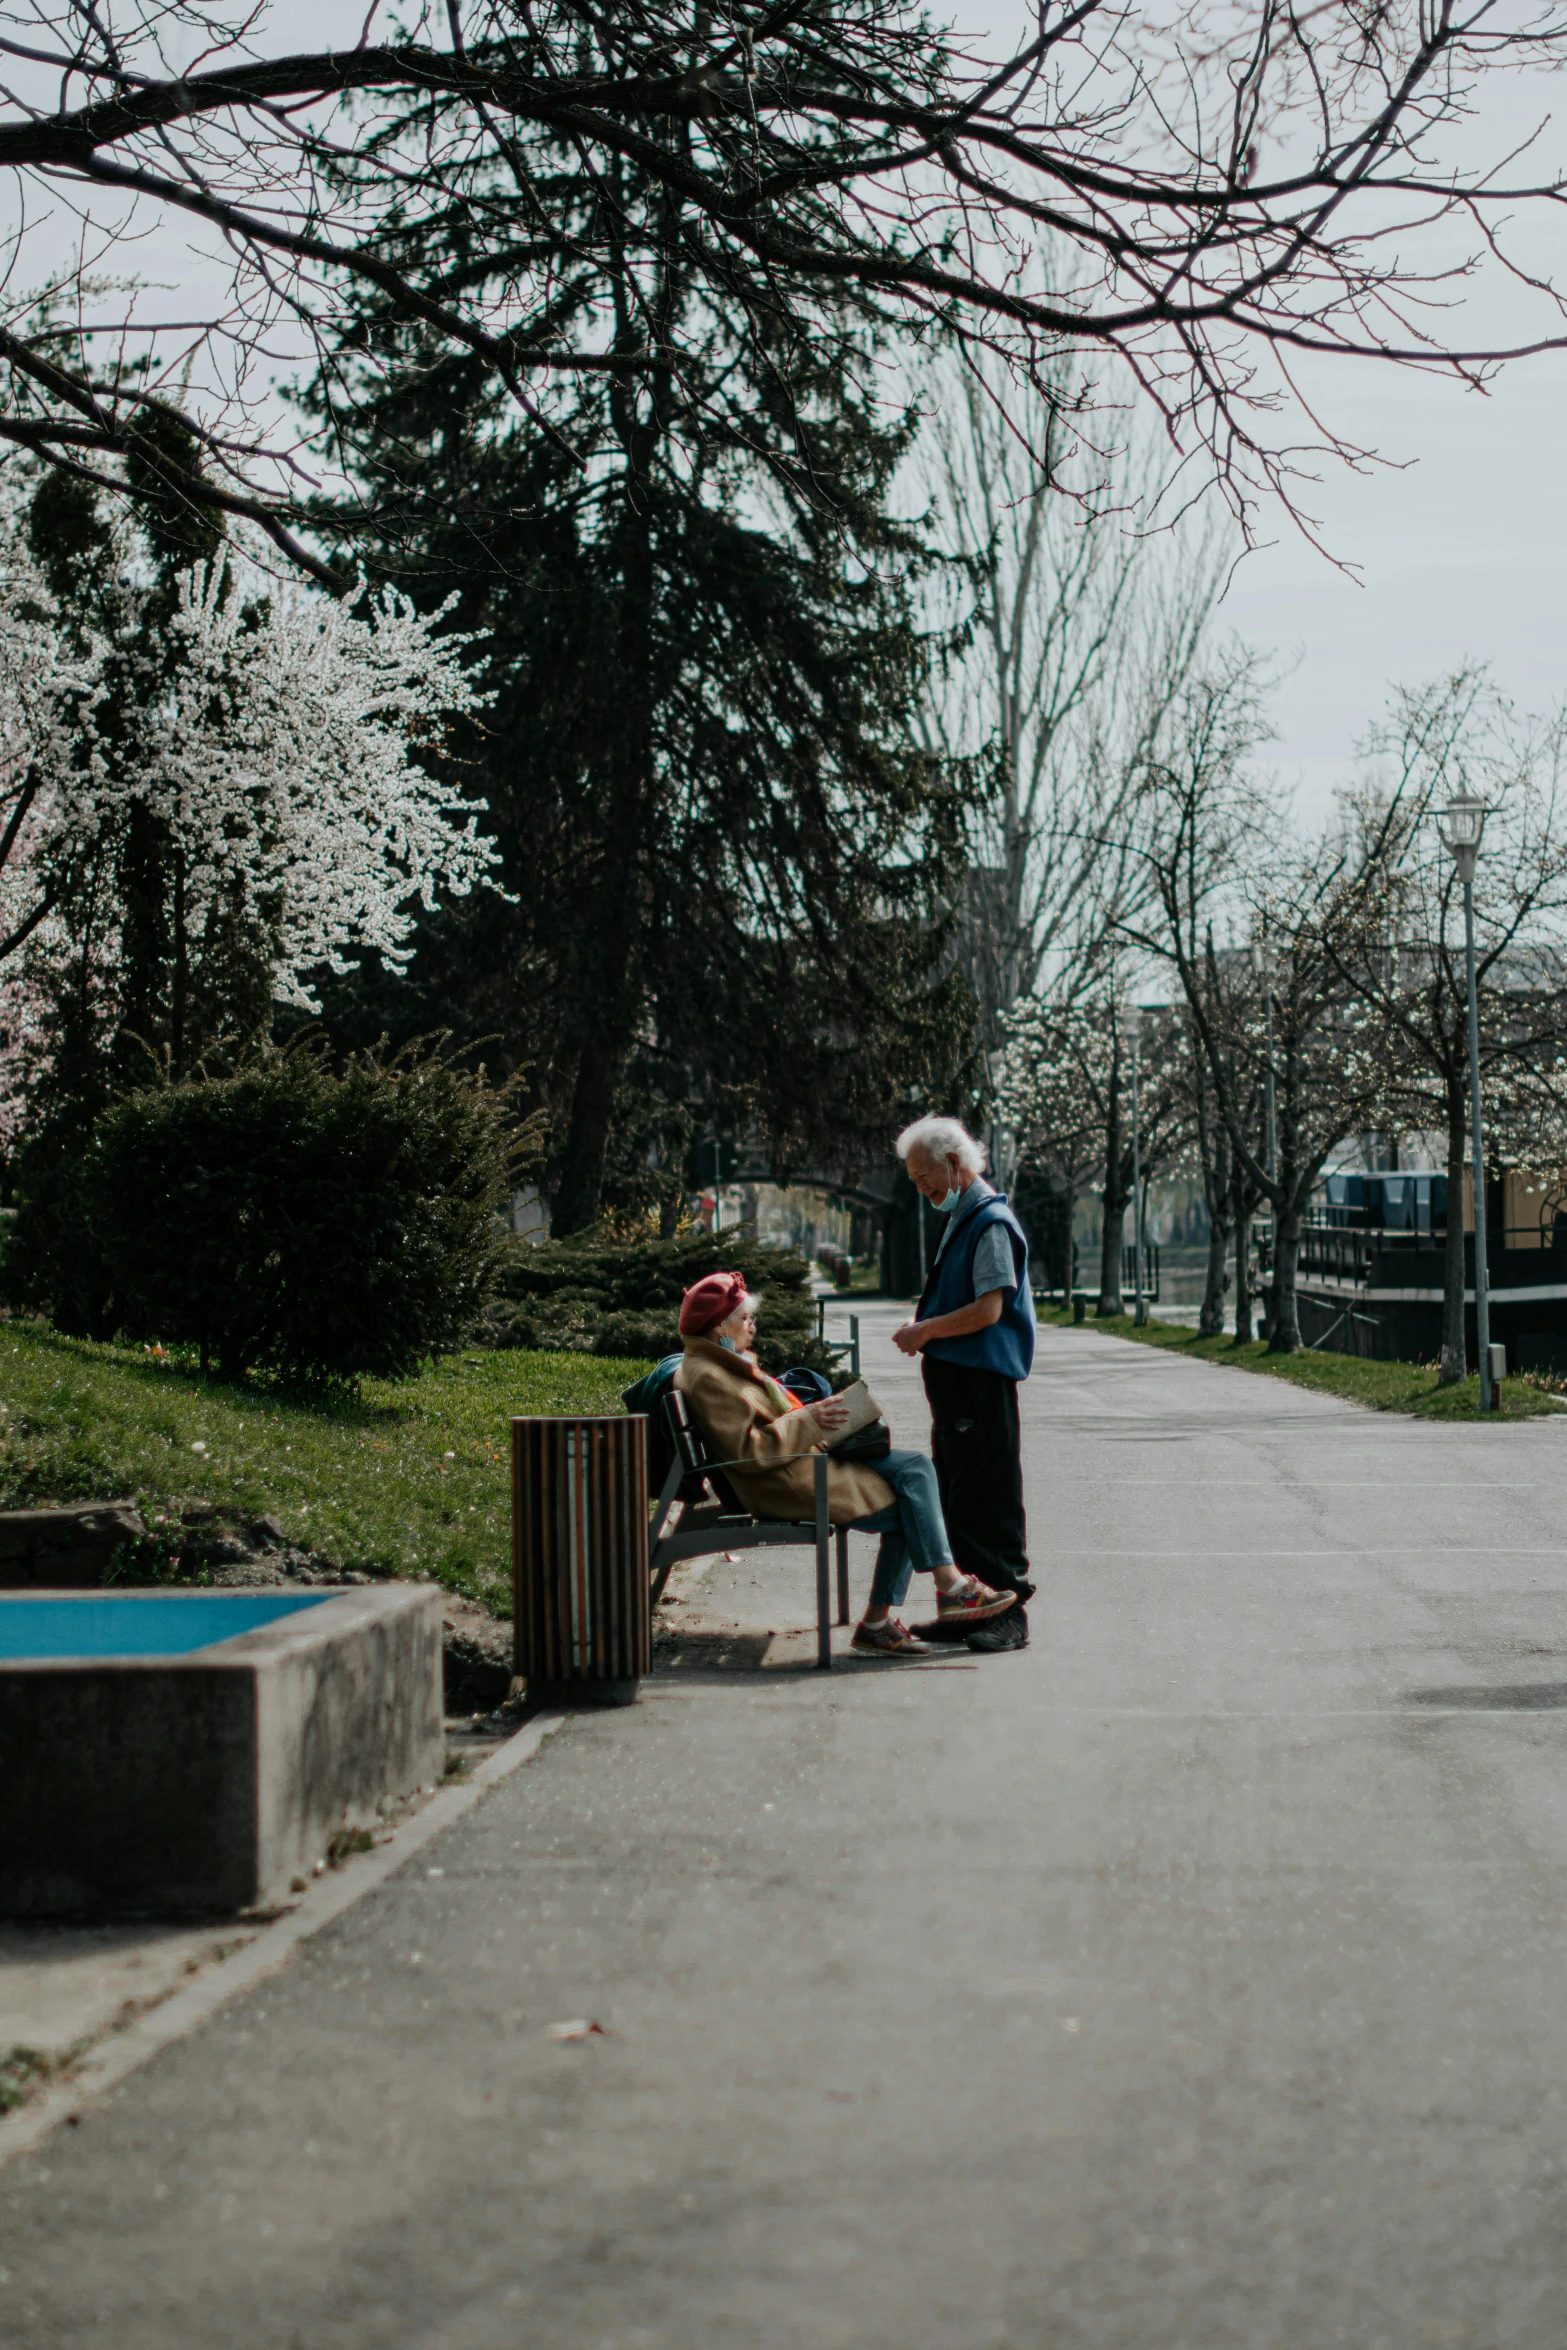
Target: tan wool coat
741 1422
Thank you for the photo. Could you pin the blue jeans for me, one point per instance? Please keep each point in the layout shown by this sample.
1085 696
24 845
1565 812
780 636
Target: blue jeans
913 1531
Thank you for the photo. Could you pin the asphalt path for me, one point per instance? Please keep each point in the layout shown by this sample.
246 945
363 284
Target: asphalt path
1194 1978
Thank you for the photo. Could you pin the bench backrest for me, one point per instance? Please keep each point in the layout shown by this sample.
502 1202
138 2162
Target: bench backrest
693 1454
684 1434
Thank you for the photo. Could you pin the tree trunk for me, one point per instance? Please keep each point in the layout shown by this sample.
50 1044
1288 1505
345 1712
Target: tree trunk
1112 1239
1112 1248
581 1192
1213 1147
1210 1321
179 978
1241 1217
609 1006
609 976
1453 1362
144 942
1283 1317
1051 1205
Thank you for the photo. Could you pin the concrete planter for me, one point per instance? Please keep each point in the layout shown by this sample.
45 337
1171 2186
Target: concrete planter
205 1781
66 1549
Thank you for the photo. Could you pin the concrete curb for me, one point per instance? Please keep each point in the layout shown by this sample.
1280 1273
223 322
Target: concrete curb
123 2052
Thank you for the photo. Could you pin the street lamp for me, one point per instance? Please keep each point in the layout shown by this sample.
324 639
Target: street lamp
1461 838
1139 1310
1262 964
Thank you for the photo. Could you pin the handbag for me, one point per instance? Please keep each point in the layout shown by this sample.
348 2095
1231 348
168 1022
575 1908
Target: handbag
873 1442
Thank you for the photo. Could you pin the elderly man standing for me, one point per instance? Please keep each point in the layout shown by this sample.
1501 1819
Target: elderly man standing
974 1330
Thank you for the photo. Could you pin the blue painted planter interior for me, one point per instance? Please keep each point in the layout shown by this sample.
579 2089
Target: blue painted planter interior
140 1623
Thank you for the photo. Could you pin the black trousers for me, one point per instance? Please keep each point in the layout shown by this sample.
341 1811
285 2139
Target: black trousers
976 1443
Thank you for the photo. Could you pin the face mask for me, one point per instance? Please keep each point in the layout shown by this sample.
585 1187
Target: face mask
944 1207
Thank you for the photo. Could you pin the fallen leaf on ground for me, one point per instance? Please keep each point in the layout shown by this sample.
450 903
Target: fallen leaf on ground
579 2028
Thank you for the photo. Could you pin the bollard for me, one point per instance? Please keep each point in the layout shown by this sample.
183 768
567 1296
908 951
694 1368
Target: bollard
1079 1307
580 1629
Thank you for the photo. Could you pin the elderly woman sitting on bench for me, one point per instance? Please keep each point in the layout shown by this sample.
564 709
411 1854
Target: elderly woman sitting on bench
749 1419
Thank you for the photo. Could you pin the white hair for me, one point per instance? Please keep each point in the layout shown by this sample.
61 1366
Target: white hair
943 1138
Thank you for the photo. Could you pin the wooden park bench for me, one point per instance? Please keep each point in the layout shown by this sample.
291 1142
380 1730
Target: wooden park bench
713 1517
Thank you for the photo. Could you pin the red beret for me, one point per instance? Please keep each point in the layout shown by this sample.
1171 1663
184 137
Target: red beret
711 1300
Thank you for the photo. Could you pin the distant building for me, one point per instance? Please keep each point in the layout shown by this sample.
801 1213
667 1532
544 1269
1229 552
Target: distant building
1373 1261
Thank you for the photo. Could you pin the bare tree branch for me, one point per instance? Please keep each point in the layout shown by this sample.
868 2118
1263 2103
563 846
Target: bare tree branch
1222 183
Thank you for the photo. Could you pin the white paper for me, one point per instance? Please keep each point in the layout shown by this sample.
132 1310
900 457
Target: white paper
862 1409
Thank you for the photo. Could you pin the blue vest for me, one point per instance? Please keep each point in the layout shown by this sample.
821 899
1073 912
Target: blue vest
1007 1347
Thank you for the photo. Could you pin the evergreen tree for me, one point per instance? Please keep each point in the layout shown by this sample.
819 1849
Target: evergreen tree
725 853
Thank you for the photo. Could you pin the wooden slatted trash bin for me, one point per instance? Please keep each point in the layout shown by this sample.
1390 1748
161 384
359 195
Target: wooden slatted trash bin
580 1557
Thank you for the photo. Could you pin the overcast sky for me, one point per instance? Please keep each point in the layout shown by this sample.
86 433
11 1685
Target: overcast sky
1461 552
1460 555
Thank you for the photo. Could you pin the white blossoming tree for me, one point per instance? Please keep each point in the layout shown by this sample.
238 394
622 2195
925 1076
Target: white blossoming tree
212 792
275 742
283 761
241 774
49 689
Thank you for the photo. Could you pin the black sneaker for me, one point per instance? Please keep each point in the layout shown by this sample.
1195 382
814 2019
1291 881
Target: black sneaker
1008 1631
945 1632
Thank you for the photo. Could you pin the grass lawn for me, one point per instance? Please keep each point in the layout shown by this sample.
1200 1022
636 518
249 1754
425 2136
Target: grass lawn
1382 1387
407 1478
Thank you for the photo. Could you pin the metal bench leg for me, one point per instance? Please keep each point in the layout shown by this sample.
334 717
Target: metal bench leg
660 1578
843 1574
823 1581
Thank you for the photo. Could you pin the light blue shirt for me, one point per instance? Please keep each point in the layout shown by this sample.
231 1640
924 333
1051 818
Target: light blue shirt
993 1266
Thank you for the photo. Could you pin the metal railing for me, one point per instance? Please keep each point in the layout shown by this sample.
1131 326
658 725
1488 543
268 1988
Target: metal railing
1046 1294
1335 1254
1150 1272
1338 1253
840 1349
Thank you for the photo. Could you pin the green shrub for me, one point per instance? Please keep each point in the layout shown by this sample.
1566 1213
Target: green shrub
595 1296
321 1226
52 1262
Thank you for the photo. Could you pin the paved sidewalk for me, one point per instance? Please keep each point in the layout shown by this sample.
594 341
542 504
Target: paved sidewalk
1191 1981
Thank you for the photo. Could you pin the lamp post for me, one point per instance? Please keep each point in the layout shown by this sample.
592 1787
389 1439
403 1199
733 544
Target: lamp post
1461 838
1262 964
1139 1310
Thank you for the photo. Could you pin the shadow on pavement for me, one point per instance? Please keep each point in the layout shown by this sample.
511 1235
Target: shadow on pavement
1517 1697
709 1652
712 1655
